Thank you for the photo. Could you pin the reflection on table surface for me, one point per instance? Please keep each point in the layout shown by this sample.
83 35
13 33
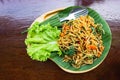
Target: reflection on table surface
17 15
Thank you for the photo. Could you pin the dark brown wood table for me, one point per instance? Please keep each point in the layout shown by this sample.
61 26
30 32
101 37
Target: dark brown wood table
17 15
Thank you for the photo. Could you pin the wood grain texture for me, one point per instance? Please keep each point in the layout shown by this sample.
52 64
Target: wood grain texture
15 64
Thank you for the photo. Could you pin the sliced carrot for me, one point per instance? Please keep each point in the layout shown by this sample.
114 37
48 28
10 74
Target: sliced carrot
62 34
93 47
67 27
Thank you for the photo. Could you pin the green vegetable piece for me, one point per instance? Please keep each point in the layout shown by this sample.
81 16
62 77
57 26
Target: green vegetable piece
70 51
99 29
42 41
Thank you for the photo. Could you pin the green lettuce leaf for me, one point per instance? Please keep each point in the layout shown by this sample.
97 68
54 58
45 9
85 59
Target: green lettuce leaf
42 41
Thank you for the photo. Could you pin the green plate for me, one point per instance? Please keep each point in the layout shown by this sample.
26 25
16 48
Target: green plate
107 38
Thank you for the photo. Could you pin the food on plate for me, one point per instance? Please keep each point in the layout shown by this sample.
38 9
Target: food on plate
76 46
81 41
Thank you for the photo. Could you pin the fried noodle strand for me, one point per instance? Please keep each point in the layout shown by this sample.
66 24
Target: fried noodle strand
83 35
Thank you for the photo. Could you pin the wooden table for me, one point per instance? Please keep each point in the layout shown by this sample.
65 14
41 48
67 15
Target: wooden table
17 15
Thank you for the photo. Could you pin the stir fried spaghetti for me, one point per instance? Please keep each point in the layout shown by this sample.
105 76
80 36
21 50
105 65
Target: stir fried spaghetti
81 41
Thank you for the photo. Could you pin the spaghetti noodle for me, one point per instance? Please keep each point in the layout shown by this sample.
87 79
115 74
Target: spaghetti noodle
81 41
